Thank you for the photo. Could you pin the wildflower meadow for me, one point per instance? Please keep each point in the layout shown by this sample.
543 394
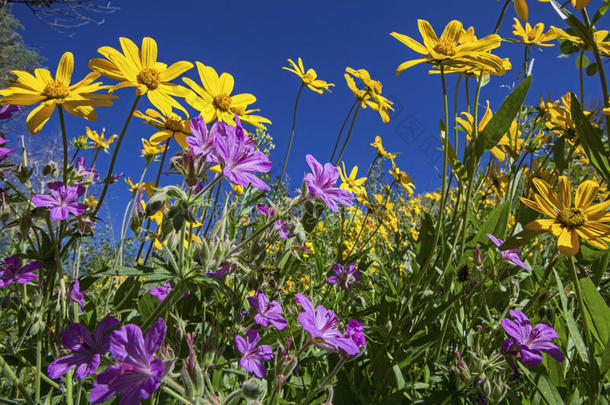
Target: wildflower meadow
348 285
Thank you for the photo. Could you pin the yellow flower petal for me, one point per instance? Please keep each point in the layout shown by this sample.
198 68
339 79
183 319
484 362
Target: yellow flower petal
148 53
64 68
568 243
38 117
585 194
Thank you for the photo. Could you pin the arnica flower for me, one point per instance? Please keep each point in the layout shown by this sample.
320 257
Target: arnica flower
598 36
202 141
77 99
138 373
569 222
448 49
7 111
527 342
402 178
371 94
150 150
85 347
267 312
346 276
75 294
522 10
321 324
214 99
238 157
534 36
253 355
351 183
509 256
99 142
161 292
321 181
168 125
381 150
139 68
11 271
62 201
309 78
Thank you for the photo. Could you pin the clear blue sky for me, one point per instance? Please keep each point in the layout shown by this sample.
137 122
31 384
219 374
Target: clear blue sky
252 40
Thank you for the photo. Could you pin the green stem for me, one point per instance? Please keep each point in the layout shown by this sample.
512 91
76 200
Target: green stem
349 133
38 365
325 382
64 140
175 395
68 380
294 122
501 16
11 375
213 208
582 87
349 113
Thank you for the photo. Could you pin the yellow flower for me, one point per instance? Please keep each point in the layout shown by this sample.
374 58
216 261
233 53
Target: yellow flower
534 36
139 68
247 117
402 179
77 99
309 78
214 99
569 222
169 125
598 36
151 149
467 124
447 48
98 139
351 183
91 201
558 117
381 150
149 187
523 12
371 94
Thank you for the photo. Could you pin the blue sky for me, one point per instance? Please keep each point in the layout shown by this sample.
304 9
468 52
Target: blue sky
252 40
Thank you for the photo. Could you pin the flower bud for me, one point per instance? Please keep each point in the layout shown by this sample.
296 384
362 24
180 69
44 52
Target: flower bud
254 389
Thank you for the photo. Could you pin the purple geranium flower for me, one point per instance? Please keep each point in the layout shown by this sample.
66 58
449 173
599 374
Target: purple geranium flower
321 182
265 210
12 271
7 111
321 323
75 294
509 256
527 342
252 355
81 169
138 372
355 332
267 312
283 227
86 349
161 292
4 152
345 277
238 155
62 200
202 141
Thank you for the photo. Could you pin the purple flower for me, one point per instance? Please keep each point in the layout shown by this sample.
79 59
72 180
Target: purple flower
202 142
12 271
4 152
527 342
138 372
238 156
6 111
62 201
81 170
321 323
86 349
265 210
345 277
509 256
283 227
321 183
355 332
161 292
268 312
252 355
75 295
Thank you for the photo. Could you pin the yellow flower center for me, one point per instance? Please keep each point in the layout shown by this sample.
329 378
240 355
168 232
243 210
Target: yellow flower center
150 78
174 124
56 90
445 47
571 218
222 102
373 86
531 36
307 78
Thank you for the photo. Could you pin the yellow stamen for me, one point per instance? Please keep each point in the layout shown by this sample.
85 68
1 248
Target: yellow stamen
56 90
571 218
222 102
173 124
445 47
150 78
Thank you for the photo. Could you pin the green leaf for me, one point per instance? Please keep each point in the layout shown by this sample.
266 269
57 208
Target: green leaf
425 240
519 239
600 11
582 61
572 327
559 153
592 69
495 224
605 363
597 309
591 140
127 293
501 120
313 212
577 26
400 380
548 391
